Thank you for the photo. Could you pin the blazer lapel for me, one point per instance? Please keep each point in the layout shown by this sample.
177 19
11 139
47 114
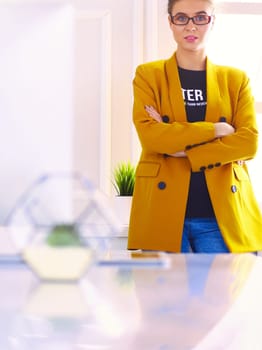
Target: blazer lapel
174 90
214 100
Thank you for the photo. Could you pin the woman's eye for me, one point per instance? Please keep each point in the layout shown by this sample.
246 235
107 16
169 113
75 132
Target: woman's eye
181 18
200 18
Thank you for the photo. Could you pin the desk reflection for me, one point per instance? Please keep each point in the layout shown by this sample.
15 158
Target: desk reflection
182 305
200 302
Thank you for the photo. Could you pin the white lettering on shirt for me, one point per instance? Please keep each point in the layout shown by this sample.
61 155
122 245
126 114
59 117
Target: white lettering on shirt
192 95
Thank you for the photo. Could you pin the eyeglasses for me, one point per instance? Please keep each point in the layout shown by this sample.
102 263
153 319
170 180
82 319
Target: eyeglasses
182 20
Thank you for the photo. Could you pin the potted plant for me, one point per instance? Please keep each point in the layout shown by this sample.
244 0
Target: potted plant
124 179
66 223
60 256
123 182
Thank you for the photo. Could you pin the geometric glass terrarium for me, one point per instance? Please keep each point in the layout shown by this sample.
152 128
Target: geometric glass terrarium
60 219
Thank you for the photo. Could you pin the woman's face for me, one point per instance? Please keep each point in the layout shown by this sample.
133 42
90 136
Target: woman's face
191 36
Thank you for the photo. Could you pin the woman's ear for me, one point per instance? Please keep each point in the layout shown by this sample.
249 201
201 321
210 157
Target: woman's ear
213 20
169 21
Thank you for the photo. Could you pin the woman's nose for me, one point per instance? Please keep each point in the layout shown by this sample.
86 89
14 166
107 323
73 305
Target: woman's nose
191 27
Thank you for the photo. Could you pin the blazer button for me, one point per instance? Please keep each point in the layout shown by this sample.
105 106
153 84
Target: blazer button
165 118
217 165
166 155
210 166
188 147
234 189
162 185
203 168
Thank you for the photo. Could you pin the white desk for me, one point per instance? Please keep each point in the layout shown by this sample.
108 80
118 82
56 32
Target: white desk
200 302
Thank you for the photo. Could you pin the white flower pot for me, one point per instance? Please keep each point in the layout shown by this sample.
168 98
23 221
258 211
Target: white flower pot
122 208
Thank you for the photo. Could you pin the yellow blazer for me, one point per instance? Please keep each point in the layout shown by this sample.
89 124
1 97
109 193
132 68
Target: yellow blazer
162 183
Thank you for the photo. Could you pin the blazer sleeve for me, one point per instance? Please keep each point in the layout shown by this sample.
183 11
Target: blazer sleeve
243 144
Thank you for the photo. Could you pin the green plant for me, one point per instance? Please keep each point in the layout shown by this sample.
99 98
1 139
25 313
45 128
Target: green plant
64 235
124 179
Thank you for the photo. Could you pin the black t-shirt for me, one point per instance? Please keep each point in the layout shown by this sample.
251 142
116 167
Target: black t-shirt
194 93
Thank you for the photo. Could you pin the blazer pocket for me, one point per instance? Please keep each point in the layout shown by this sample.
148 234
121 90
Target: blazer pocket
240 173
147 169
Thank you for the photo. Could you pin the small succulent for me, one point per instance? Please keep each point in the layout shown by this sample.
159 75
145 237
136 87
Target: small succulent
124 179
64 235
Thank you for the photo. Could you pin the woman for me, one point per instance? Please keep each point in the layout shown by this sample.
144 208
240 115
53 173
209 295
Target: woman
197 127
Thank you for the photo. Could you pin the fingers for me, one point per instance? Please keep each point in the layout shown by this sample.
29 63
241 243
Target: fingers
153 113
223 129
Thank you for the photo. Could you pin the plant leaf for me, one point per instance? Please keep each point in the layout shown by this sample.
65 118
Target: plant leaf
124 179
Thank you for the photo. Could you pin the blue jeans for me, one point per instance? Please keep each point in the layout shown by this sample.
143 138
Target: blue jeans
202 235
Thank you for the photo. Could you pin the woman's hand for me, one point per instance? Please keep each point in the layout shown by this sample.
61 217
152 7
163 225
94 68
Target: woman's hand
152 112
223 129
180 154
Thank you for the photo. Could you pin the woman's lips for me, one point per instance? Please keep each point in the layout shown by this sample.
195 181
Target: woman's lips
191 38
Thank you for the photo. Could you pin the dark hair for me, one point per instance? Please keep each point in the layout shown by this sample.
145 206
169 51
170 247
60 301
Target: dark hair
171 3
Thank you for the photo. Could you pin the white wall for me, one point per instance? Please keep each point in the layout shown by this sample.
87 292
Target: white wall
35 95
